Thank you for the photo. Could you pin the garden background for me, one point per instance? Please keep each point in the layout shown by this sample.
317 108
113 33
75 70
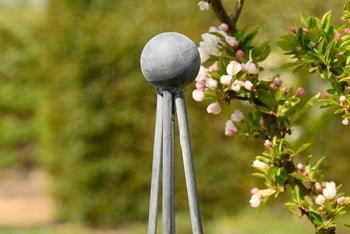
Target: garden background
74 106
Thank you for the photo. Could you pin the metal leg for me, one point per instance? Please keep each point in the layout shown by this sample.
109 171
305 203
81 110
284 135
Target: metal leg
156 166
188 163
168 164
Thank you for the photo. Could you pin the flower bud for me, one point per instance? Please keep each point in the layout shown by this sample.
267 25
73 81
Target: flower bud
212 84
255 200
230 128
214 108
300 92
203 5
254 190
200 85
267 144
305 30
338 36
342 99
240 53
347 30
341 200
318 187
198 95
260 165
320 199
293 30
300 166
345 122
223 27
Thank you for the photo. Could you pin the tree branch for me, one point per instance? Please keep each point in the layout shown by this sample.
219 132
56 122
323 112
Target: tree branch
222 15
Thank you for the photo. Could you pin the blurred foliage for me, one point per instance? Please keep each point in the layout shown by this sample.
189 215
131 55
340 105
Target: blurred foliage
73 100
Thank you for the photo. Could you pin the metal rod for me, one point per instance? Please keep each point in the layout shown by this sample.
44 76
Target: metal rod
156 167
168 164
188 162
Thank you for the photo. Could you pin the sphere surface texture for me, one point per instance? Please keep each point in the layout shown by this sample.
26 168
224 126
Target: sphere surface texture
170 60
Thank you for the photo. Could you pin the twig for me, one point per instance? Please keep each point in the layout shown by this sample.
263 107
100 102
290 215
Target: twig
222 15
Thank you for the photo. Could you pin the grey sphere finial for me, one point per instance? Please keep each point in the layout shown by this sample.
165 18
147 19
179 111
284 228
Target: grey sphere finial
170 60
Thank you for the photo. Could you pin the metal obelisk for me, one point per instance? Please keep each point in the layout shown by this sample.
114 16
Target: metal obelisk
170 61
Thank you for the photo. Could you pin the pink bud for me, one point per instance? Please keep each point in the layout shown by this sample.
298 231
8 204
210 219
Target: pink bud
223 27
230 128
212 84
338 36
341 200
305 173
305 30
293 29
325 95
300 92
273 86
300 166
345 121
318 187
198 95
200 85
267 144
240 53
342 99
277 81
347 30
254 190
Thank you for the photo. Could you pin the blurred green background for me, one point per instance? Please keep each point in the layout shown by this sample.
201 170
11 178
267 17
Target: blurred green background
73 102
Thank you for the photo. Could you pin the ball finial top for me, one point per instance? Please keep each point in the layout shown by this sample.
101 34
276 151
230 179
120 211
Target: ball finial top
170 60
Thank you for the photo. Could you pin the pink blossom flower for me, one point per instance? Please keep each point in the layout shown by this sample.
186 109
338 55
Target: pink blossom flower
248 85
300 92
341 200
342 99
226 79
236 85
212 84
214 108
202 74
231 41
230 128
251 68
198 95
203 5
214 67
237 116
223 27
233 68
320 199
330 190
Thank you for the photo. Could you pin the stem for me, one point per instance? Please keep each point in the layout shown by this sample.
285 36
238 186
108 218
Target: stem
222 15
326 231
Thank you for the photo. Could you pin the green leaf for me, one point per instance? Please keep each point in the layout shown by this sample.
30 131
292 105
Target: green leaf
309 104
